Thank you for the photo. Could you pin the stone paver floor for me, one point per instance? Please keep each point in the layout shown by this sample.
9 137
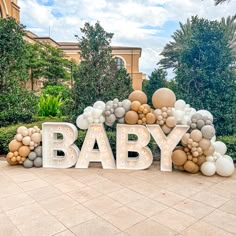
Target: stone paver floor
66 202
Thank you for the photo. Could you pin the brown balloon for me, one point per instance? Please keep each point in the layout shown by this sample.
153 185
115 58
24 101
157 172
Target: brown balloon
179 157
201 159
163 97
135 105
151 118
131 117
24 151
138 95
189 166
14 145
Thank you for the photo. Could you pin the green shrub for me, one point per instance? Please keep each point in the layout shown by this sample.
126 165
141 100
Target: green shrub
8 133
230 142
49 105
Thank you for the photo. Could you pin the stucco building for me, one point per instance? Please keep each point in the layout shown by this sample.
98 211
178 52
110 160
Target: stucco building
127 57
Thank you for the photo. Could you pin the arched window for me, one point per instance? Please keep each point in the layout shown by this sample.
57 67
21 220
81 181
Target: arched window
119 63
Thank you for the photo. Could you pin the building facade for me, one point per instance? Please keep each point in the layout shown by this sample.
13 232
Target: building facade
127 57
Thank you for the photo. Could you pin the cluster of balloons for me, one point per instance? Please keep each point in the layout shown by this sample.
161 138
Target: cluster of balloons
218 162
34 158
115 111
140 112
26 140
183 112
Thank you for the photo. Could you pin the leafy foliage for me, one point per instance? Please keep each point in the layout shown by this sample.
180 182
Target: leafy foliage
49 105
97 77
205 76
16 103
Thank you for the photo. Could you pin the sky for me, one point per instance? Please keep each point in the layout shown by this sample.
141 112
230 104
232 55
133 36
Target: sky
148 24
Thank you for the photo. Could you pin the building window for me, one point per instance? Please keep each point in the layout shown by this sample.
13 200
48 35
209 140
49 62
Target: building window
119 63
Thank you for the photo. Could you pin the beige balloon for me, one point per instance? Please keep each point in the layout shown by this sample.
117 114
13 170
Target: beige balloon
24 151
36 137
163 97
14 145
138 95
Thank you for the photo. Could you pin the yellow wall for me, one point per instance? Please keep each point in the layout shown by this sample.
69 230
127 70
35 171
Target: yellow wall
10 8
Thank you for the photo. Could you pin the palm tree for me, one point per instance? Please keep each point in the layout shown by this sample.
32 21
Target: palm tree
217 2
172 50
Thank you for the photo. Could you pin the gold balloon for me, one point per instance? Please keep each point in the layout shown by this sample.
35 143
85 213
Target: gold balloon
131 117
138 95
163 97
14 145
24 151
135 105
151 118
189 166
179 157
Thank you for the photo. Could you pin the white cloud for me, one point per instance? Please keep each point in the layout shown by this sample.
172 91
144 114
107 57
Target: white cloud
135 23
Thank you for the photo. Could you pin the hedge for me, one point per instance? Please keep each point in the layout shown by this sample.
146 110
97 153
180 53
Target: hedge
7 133
230 142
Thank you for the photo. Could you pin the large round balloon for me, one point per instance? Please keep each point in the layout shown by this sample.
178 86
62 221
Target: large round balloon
224 167
163 97
208 168
138 95
220 147
81 122
99 105
131 117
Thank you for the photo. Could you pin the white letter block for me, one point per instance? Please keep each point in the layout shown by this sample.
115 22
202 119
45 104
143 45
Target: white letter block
167 143
123 146
51 144
96 132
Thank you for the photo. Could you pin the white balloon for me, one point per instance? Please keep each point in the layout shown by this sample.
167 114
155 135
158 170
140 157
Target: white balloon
178 116
224 167
213 139
210 158
90 119
180 105
88 109
101 119
206 113
229 158
96 121
81 122
96 113
185 120
220 147
208 168
99 105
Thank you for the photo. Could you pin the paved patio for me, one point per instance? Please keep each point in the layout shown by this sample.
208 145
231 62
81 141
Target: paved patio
66 202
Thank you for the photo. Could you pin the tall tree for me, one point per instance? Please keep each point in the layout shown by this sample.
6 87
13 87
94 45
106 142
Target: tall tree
16 103
172 51
98 77
205 77
156 80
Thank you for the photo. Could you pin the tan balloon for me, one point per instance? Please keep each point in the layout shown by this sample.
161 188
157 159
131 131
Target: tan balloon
163 97
146 106
19 137
151 118
135 105
196 169
36 137
210 151
166 129
20 129
26 140
201 159
189 166
10 155
14 145
131 117
185 139
138 95
196 135
24 151
205 144
171 121
179 157
10 162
